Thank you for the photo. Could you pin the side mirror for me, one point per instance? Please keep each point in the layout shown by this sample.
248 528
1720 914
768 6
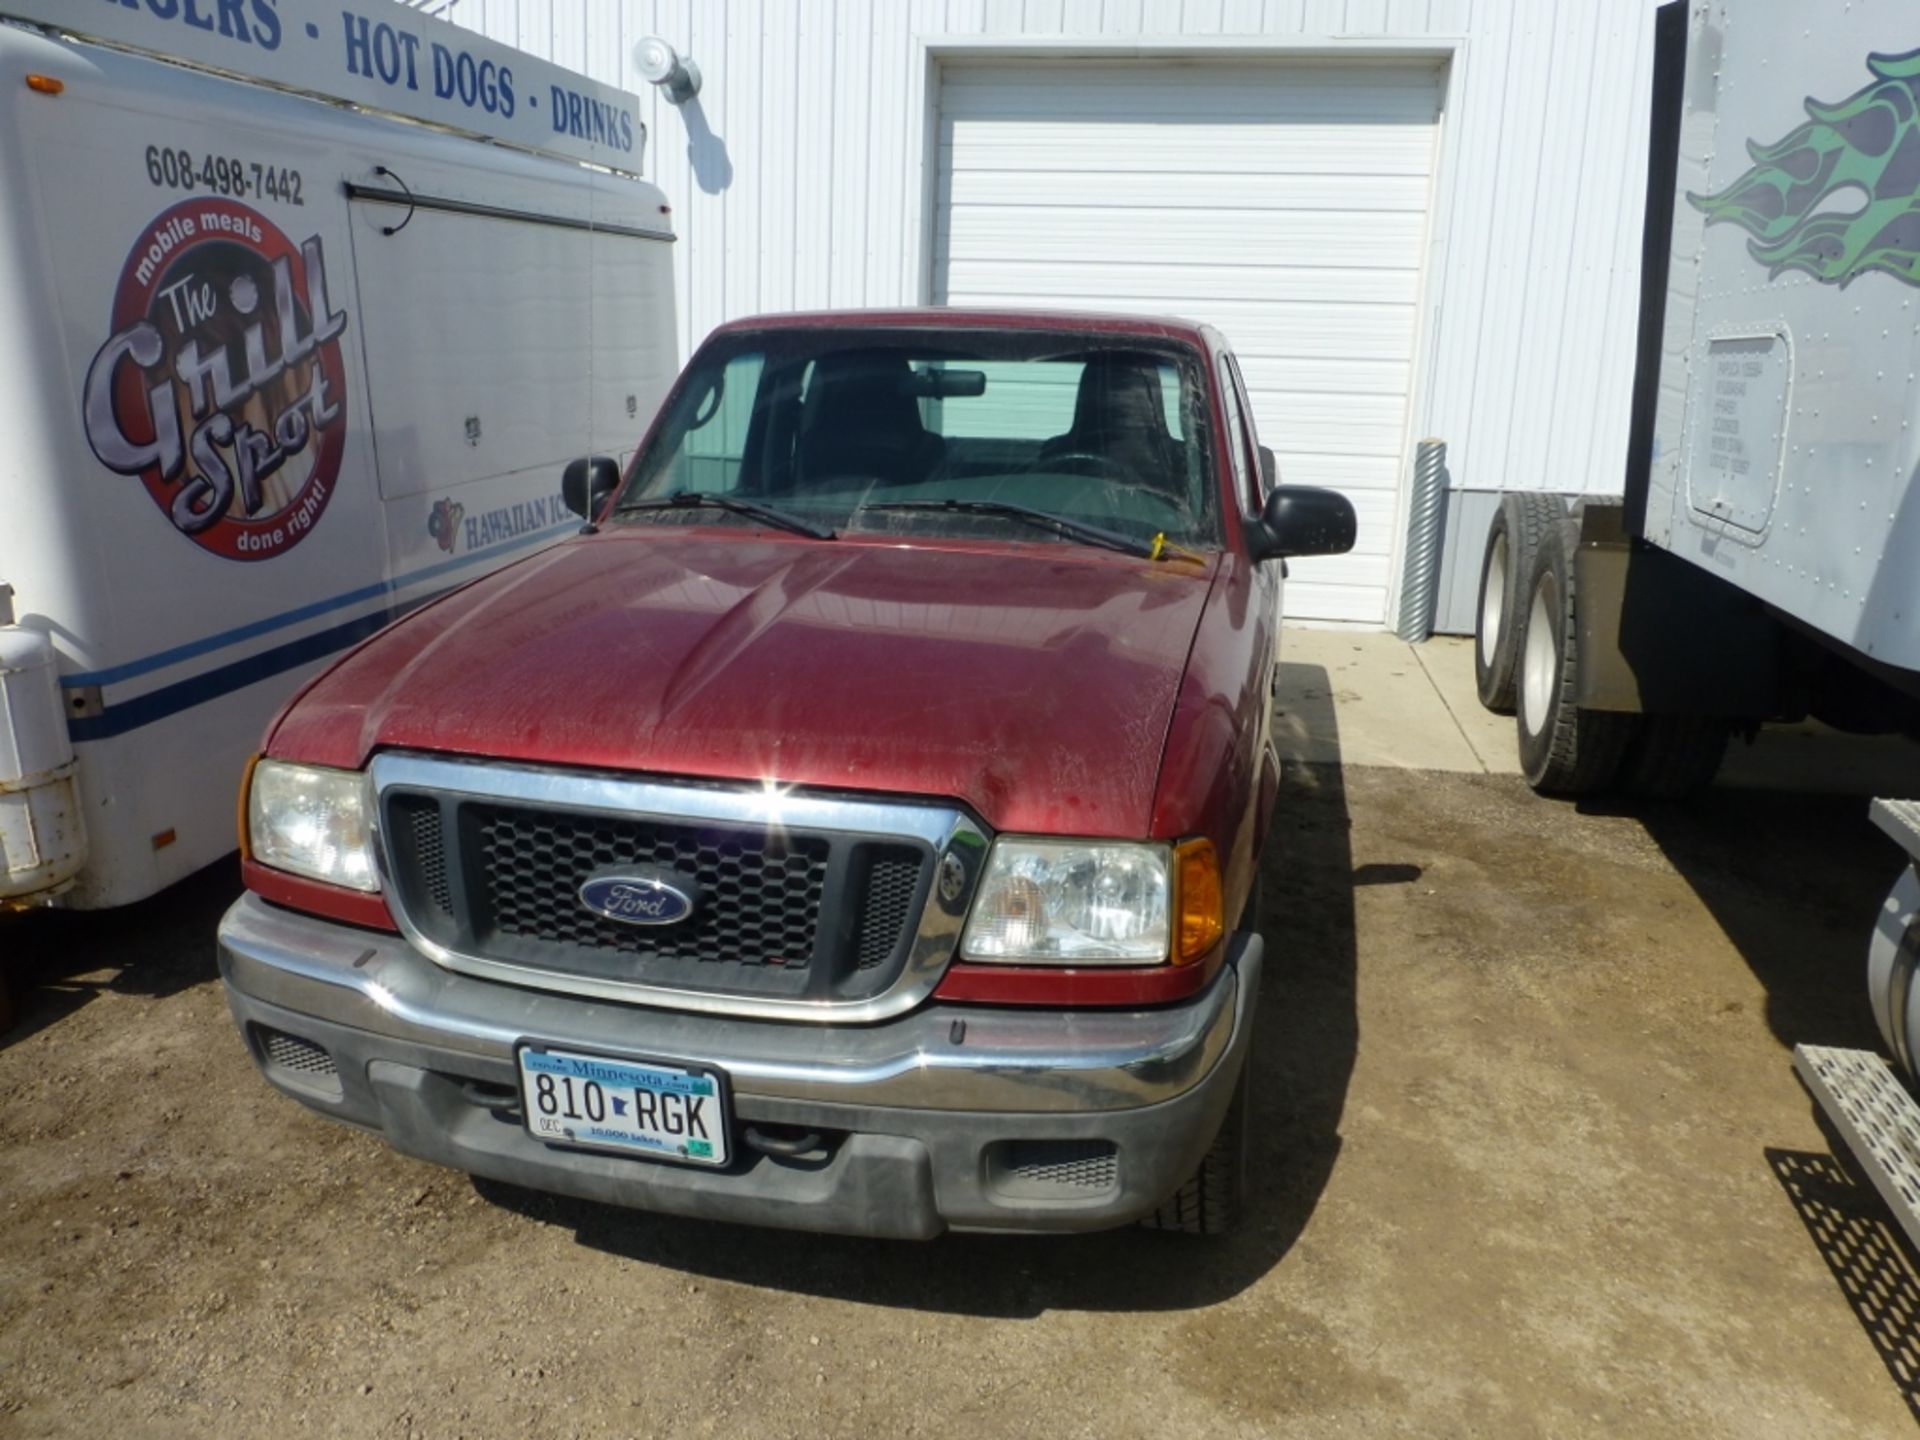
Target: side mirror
1303 520
587 482
1269 469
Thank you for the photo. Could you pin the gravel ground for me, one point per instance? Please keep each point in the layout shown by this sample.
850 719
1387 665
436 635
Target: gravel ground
1530 1160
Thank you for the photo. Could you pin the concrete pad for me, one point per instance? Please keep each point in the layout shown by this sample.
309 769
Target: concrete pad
1448 661
1359 697
1368 698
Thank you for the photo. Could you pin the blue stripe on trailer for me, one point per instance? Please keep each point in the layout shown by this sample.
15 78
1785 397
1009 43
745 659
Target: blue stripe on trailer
159 661
224 680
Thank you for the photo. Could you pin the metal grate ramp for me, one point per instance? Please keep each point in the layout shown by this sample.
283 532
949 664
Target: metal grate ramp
1901 820
1877 1118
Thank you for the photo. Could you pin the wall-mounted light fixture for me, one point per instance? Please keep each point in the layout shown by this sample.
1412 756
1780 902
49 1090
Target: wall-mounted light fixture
661 64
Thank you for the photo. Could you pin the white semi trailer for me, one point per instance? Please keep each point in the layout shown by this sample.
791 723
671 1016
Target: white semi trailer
1763 560
303 309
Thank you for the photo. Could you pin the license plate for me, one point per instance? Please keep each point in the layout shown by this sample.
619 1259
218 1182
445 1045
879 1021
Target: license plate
631 1107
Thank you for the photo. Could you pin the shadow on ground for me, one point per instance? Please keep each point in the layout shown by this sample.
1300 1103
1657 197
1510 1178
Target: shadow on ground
1304 1047
55 961
1796 882
1795 879
1848 1226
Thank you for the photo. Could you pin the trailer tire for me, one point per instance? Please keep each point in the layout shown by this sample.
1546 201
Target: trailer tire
1674 756
1512 540
1564 749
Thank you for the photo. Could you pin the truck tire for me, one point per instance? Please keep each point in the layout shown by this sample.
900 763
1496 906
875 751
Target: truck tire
1673 756
1512 541
1211 1201
1564 749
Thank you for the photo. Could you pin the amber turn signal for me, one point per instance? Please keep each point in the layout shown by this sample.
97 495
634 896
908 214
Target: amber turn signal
1201 901
45 85
246 785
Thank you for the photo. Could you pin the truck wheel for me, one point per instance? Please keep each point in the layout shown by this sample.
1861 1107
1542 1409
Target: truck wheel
1564 749
1211 1201
1512 541
1673 756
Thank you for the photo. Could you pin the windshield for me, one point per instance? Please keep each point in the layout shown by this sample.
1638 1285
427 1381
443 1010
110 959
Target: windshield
840 427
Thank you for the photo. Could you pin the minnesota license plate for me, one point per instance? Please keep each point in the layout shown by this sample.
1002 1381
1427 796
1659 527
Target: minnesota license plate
632 1107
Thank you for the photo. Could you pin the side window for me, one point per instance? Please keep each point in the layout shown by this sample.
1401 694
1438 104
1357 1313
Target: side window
1243 481
1260 486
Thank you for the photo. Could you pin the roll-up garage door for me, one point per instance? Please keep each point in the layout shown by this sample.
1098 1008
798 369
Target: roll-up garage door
1285 203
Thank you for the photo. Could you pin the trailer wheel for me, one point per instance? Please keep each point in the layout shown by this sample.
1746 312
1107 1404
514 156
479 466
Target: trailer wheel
1564 749
1512 540
1673 756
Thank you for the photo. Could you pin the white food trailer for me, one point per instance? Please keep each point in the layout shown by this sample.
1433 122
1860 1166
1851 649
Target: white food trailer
1763 560
303 308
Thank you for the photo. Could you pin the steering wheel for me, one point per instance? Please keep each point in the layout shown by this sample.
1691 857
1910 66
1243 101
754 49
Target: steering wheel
1108 467
1111 471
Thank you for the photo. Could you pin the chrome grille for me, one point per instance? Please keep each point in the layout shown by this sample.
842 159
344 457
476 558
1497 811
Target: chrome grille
804 905
809 906
759 895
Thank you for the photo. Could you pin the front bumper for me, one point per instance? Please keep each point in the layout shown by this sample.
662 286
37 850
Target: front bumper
957 1117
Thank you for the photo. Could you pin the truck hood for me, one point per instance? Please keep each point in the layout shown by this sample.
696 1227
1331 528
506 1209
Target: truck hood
1033 682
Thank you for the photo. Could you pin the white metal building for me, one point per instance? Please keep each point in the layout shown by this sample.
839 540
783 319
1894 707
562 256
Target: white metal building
1411 217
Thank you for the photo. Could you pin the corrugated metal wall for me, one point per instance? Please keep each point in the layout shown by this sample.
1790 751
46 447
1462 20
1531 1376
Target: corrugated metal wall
793 185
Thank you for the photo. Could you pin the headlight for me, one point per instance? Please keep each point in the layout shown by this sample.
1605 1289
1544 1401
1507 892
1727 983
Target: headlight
1065 902
314 822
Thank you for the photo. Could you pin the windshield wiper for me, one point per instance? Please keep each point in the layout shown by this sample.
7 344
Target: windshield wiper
766 514
1043 519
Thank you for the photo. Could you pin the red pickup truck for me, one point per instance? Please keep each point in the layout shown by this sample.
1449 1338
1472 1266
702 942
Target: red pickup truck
854 829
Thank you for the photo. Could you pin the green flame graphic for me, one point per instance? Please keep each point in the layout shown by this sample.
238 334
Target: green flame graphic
1802 200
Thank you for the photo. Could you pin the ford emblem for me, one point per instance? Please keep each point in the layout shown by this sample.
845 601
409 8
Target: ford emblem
637 898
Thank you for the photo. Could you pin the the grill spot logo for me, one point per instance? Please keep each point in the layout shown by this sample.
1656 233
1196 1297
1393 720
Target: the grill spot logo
222 385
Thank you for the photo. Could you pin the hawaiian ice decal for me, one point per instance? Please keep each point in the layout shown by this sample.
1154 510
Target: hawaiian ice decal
1840 195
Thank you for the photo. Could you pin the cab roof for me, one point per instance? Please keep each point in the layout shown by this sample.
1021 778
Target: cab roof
940 317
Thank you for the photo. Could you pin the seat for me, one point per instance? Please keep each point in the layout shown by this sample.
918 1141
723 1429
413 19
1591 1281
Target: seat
862 422
1120 419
